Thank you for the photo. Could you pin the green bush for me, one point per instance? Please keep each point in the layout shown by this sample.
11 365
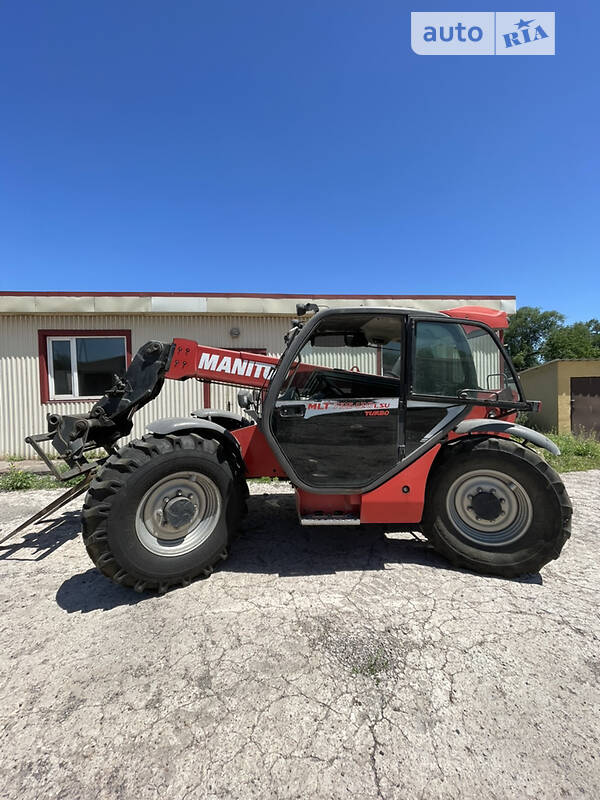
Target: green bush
16 479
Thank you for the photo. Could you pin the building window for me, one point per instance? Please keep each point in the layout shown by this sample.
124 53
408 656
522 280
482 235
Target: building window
81 364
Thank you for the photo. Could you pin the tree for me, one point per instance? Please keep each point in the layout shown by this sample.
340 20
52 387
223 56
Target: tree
594 326
580 340
528 330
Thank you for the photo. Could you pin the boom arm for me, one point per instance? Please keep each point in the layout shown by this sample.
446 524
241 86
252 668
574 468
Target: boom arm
110 418
193 360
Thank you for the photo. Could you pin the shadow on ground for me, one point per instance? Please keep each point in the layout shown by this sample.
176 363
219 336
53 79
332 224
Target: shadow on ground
91 591
41 543
273 542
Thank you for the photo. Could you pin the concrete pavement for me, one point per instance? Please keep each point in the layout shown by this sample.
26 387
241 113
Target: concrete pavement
316 663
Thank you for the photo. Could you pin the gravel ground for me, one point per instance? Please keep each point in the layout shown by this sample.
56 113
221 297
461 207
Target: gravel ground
316 663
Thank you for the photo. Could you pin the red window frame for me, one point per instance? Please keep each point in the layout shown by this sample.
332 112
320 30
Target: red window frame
44 335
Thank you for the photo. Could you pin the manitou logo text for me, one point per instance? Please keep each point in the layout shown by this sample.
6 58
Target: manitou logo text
211 362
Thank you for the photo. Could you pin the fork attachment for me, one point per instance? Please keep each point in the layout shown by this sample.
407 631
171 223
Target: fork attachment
110 418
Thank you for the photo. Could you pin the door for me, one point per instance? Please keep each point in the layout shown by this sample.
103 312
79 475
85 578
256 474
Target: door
585 405
336 419
453 365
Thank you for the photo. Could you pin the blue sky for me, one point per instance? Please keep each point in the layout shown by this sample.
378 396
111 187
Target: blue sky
294 146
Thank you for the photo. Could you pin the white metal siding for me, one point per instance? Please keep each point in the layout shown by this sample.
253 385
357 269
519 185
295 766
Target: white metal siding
358 359
21 409
487 361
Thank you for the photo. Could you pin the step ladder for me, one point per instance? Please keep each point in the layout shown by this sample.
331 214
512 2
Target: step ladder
330 519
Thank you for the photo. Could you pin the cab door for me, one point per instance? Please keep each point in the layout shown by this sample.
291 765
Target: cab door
335 417
456 366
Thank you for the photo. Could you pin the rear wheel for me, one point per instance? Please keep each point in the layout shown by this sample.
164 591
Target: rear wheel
496 507
161 511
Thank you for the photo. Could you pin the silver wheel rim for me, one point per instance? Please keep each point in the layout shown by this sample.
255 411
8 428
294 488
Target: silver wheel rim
178 513
489 508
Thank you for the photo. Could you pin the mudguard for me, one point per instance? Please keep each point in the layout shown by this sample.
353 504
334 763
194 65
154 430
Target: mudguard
210 413
167 425
500 426
180 424
228 419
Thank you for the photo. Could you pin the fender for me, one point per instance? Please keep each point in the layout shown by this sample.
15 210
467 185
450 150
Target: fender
227 419
168 425
499 426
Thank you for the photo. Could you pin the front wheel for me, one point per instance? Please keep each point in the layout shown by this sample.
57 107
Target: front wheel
496 507
161 511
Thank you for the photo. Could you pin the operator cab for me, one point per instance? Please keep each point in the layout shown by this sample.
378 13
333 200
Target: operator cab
362 392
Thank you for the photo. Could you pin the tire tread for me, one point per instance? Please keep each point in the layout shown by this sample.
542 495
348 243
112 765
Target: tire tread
112 478
556 542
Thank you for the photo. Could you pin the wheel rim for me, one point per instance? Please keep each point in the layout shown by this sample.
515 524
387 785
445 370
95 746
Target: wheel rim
178 513
489 508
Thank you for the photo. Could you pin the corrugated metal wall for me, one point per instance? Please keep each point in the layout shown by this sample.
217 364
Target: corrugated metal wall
21 410
488 361
358 359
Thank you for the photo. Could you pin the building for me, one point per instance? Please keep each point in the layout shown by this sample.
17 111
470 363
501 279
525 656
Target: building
570 395
59 350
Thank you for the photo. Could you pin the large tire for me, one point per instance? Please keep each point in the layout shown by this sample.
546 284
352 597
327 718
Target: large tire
133 541
496 507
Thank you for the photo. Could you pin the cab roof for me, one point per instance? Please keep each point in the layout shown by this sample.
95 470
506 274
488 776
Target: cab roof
497 320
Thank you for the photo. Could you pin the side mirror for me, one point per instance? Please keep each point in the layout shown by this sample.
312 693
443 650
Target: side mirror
249 402
305 308
244 400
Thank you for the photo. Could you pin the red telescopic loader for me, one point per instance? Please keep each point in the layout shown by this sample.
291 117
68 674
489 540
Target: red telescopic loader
375 415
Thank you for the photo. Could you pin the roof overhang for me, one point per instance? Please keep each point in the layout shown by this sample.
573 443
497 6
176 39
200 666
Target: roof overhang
284 305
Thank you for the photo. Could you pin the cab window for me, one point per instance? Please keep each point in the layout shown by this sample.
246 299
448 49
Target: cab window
455 359
348 356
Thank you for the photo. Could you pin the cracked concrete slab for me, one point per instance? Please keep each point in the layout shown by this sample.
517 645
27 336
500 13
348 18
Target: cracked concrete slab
316 663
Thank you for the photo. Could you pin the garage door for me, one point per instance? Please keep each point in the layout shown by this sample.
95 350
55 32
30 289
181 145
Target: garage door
585 405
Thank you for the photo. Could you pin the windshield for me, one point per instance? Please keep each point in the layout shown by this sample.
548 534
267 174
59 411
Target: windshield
347 356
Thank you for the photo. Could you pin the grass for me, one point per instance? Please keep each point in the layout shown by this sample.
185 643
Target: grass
577 453
16 480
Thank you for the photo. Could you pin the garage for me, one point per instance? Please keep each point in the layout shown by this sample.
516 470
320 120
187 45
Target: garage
570 395
585 405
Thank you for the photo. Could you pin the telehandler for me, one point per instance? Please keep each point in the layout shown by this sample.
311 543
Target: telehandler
375 415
